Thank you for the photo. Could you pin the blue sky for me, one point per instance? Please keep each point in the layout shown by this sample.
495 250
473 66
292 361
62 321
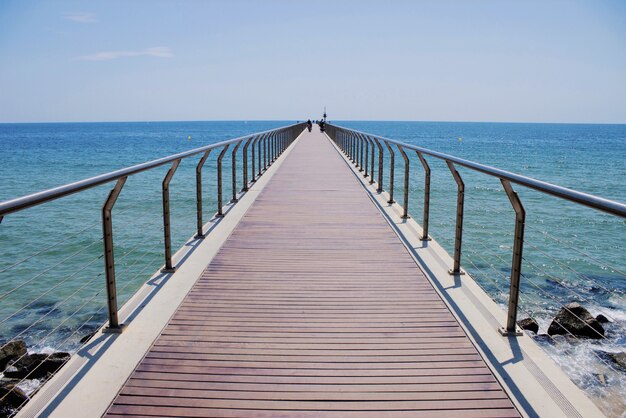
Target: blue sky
535 61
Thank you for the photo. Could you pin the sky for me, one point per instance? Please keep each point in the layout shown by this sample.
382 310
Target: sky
493 61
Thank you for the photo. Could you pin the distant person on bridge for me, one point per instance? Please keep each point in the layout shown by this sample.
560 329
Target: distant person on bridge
322 125
309 125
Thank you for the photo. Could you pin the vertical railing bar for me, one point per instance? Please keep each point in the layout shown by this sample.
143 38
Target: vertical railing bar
516 263
167 236
426 196
252 160
405 213
367 147
219 181
244 187
392 167
234 171
265 159
109 259
360 152
259 157
458 240
380 165
199 222
372 170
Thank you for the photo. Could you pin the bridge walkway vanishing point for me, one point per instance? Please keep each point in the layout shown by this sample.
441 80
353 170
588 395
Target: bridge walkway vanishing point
297 317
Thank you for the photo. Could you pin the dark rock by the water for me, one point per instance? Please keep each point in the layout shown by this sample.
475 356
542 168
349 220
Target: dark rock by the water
602 319
35 366
529 324
576 320
544 338
601 378
618 358
11 397
87 337
11 351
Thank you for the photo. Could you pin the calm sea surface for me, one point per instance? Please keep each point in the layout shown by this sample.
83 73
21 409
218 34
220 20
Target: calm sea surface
571 253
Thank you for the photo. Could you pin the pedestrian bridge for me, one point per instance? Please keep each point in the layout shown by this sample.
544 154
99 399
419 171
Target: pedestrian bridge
313 296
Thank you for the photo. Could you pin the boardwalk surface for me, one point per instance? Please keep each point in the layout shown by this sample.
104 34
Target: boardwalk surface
313 307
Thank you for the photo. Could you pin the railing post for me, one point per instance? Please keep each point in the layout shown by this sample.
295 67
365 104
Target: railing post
259 157
199 222
426 196
372 170
265 157
367 148
245 163
219 181
380 166
392 169
516 264
360 152
405 213
252 162
458 240
109 260
167 236
234 170
355 149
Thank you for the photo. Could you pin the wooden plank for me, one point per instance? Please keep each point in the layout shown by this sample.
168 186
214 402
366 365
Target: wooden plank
313 308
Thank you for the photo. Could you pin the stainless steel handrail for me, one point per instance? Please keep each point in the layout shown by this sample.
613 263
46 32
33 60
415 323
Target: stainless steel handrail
348 140
20 203
592 201
289 133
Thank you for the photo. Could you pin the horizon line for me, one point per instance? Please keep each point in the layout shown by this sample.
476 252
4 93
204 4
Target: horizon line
290 120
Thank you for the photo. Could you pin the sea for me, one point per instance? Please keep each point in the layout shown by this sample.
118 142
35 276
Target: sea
52 285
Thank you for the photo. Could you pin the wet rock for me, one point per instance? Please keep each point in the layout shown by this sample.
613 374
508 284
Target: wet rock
576 320
544 338
601 378
11 351
602 319
36 366
87 337
11 398
618 358
529 324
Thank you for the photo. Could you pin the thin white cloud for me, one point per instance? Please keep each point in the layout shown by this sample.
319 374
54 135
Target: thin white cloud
159 52
80 17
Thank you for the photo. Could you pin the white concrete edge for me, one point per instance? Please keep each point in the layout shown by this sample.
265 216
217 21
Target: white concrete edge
534 382
92 378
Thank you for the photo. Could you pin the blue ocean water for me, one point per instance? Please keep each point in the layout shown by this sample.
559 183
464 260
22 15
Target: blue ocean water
572 253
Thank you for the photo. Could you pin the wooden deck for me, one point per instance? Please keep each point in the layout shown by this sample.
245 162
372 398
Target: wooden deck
313 308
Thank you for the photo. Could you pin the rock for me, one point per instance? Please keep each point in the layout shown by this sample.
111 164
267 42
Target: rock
602 319
618 358
11 397
87 337
529 324
576 320
11 351
36 366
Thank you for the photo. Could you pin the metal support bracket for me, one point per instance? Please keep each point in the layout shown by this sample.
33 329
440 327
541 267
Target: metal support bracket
516 263
199 223
109 259
405 214
234 176
391 172
425 236
220 213
167 236
458 240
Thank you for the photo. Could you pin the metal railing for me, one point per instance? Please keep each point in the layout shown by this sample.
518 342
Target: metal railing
357 145
270 145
